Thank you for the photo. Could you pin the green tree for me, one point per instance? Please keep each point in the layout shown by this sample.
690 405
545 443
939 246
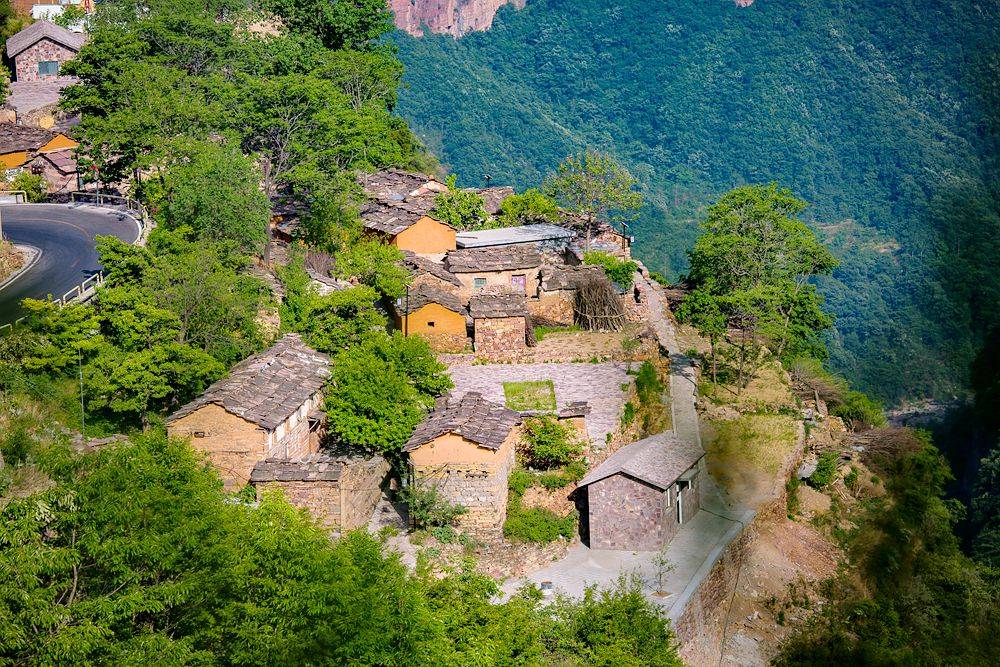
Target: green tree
527 208
986 511
462 209
212 187
374 264
595 187
702 311
65 334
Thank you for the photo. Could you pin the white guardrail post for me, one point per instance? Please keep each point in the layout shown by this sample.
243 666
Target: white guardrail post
116 202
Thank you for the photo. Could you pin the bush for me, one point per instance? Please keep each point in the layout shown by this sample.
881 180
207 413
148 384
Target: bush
548 444
520 481
428 508
792 500
574 471
536 524
860 411
619 271
551 481
34 185
826 468
648 385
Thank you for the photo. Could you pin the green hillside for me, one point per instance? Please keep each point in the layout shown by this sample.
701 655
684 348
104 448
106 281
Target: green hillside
878 113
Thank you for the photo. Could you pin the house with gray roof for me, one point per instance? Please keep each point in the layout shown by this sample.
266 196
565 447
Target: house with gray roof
640 496
465 449
39 50
268 407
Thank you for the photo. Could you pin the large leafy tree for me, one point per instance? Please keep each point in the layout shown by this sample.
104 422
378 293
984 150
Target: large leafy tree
755 263
594 186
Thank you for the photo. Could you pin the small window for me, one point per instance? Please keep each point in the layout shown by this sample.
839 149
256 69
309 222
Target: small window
199 434
430 324
48 68
479 283
518 282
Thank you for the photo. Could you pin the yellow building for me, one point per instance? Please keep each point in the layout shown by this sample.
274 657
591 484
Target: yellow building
408 226
20 144
434 314
465 450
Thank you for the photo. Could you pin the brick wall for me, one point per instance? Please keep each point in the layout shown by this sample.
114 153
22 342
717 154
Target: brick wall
27 61
628 514
232 444
499 336
361 486
499 279
321 499
553 308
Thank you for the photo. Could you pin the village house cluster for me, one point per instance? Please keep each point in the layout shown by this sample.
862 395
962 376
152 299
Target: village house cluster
263 425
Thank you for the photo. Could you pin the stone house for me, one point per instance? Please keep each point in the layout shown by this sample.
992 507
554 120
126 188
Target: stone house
424 271
269 406
640 496
399 185
499 323
45 152
341 492
465 449
434 314
39 50
408 225
515 268
556 301
36 103
603 236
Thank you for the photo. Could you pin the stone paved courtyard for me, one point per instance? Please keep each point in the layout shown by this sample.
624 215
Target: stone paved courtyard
600 385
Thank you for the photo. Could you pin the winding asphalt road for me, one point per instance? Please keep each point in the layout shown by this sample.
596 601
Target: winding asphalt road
65 235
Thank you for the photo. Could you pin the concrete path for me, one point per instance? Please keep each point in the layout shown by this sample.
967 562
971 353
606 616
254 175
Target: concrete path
600 385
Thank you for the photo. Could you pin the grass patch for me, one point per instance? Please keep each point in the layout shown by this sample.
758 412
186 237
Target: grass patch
543 331
760 441
530 396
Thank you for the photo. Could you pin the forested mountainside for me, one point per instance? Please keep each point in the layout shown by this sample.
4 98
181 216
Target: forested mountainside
881 114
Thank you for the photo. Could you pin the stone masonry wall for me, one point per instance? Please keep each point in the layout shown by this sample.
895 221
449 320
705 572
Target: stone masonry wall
321 499
55 180
362 489
45 49
625 514
553 308
499 336
294 444
232 444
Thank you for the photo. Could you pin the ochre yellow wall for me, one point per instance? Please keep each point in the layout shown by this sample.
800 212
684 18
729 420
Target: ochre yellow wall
451 448
13 160
233 445
445 321
58 143
426 236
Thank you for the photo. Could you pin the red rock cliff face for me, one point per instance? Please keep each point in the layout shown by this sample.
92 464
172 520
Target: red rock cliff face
449 17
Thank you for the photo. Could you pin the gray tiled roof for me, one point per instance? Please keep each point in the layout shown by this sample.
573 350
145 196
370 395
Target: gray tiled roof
505 236
498 304
23 138
40 30
569 277
494 196
506 258
421 295
312 468
399 185
394 217
482 422
269 386
418 264
27 96
657 460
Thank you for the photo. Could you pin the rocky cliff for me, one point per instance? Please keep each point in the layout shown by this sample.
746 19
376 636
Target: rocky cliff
449 17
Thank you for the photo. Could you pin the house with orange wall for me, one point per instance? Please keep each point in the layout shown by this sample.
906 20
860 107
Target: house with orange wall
434 314
42 151
409 227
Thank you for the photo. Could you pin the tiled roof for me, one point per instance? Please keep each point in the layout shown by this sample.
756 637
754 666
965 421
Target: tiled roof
394 217
506 236
27 96
269 386
399 185
312 468
476 260
657 460
498 304
493 197
418 264
62 160
575 409
421 295
482 422
569 277
40 30
15 138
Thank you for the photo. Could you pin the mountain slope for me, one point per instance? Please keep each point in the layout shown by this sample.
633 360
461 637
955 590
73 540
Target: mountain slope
877 113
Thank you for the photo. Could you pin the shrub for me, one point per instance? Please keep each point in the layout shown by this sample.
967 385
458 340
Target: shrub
462 209
826 468
552 481
574 471
628 415
851 478
619 271
428 508
792 501
520 481
860 411
647 384
548 443
536 524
